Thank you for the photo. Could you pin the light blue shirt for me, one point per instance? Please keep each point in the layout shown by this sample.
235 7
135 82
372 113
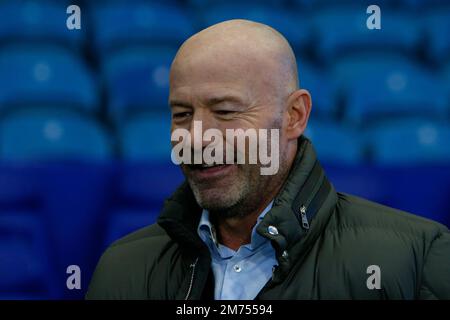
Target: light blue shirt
241 274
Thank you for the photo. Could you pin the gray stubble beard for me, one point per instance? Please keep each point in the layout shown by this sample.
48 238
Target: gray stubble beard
252 190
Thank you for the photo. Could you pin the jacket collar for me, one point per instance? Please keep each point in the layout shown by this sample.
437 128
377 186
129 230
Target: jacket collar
300 211
306 193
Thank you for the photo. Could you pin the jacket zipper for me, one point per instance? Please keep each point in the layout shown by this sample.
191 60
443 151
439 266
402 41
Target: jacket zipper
305 223
192 279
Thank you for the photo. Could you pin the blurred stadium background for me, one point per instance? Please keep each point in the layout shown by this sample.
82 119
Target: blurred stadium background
84 122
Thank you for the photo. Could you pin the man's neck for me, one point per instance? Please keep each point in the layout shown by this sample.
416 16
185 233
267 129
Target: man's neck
237 231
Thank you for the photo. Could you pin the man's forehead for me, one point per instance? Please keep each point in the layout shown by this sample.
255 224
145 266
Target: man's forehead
210 73
217 63
221 74
224 51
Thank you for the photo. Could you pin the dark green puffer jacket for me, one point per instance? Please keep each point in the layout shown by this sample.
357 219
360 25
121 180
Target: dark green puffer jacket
323 253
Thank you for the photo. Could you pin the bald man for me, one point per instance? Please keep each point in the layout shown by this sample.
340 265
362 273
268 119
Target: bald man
230 232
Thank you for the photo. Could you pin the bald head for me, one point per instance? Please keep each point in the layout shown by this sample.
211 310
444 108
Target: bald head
239 51
238 74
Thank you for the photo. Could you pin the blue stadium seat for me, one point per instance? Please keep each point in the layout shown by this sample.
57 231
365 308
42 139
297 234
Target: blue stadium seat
294 26
121 24
146 137
342 30
335 143
321 88
125 221
138 78
47 134
38 21
24 258
410 142
437 25
45 75
375 86
398 94
349 69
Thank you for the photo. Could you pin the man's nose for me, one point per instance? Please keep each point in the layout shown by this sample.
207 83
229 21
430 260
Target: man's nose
201 121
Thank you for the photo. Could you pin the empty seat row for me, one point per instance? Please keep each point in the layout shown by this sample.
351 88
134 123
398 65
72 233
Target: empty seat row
119 24
358 87
57 134
329 31
375 86
40 134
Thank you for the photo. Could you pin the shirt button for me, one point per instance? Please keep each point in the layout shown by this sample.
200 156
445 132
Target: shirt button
237 268
272 230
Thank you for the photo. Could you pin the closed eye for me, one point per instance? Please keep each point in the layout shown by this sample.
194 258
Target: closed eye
224 112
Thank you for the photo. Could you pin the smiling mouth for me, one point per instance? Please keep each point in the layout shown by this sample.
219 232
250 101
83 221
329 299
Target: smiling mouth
203 167
203 172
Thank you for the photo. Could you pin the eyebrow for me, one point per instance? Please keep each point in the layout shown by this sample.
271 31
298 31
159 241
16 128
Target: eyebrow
227 98
178 103
209 101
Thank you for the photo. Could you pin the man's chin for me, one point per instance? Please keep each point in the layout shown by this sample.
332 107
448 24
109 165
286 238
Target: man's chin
213 199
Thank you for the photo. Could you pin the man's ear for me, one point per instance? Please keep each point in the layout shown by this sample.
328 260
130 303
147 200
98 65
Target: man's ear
299 109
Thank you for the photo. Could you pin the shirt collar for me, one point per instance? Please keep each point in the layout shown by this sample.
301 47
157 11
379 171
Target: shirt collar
207 232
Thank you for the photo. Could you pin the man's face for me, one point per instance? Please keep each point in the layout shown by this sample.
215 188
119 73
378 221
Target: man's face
223 94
